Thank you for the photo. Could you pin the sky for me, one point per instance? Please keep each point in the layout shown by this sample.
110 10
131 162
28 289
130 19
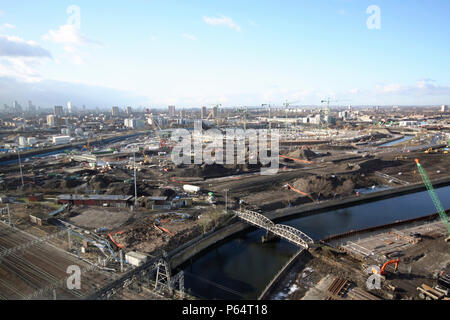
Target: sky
236 53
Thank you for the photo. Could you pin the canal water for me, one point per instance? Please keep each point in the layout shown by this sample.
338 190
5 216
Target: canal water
242 266
392 143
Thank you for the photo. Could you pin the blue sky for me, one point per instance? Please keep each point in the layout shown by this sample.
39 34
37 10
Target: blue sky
192 53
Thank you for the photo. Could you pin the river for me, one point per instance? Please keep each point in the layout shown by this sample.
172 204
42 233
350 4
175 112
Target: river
240 267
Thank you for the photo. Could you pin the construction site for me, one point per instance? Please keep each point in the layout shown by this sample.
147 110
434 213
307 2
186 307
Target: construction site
140 226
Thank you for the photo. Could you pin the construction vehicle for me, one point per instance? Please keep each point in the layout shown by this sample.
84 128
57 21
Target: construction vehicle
383 267
88 145
156 128
434 198
147 160
211 113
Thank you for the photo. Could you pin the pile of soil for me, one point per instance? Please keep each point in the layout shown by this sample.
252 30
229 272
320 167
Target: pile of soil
164 192
120 188
205 171
377 164
325 186
305 154
99 182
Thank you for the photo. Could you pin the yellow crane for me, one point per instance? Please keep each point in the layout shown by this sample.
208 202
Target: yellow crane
162 141
212 111
147 160
88 145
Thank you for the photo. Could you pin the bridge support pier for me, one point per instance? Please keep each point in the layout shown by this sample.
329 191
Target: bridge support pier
268 237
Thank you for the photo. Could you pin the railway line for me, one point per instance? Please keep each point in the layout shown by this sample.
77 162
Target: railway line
30 269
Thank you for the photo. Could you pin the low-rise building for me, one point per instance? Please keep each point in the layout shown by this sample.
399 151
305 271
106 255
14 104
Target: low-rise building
121 201
60 139
135 258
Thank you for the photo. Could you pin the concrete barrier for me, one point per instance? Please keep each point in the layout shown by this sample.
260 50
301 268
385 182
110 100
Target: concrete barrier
280 274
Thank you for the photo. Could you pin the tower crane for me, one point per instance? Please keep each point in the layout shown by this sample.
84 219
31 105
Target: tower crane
286 104
244 116
155 126
327 111
270 117
434 197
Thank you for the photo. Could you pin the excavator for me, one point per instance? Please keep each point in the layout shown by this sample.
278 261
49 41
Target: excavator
383 267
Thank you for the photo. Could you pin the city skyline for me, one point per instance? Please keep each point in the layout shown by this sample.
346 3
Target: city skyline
203 53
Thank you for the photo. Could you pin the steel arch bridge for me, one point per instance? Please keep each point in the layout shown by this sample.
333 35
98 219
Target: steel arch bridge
288 233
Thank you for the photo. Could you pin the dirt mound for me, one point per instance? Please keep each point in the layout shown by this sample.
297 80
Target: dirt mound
325 186
100 182
164 192
377 164
70 183
306 154
120 188
205 170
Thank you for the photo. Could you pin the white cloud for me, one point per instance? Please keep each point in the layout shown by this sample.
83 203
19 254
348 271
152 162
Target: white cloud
21 59
11 46
153 38
72 40
423 87
7 26
354 91
20 68
68 34
188 36
222 21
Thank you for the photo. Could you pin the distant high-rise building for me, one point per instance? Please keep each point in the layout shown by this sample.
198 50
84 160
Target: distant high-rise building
51 122
171 111
69 107
444 108
17 108
182 113
216 111
59 111
129 110
204 114
31 108
115 111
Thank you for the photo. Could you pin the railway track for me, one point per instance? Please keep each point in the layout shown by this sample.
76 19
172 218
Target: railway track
30 269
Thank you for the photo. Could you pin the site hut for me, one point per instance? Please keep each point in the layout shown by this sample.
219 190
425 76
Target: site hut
181 202
135 258
40 218
156 203
119 201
